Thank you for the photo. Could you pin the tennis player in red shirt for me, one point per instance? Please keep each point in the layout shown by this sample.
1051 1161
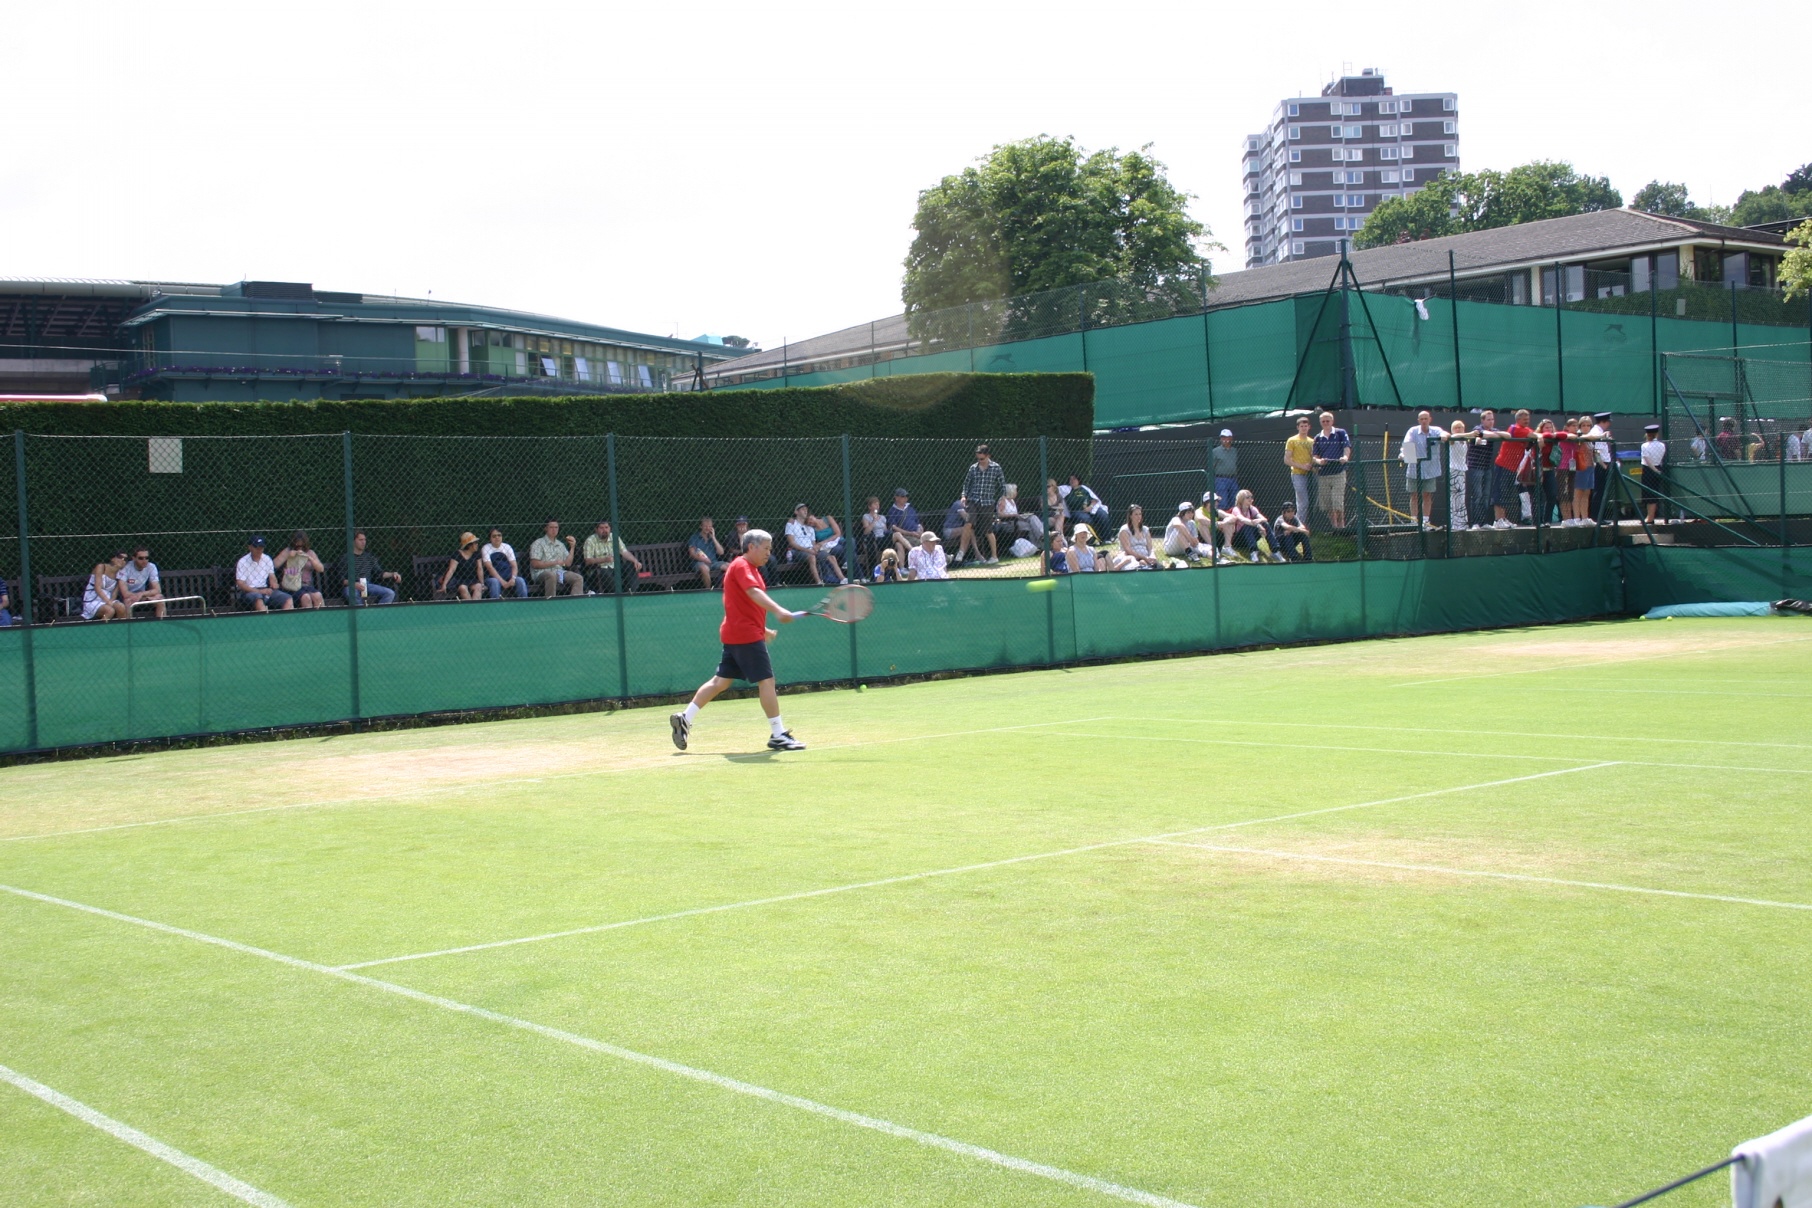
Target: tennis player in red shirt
745 636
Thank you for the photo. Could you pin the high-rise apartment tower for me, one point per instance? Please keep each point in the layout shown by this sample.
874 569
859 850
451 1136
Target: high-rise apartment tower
1325 162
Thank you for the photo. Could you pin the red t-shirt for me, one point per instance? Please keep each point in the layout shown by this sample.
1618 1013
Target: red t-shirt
745 621
1510 452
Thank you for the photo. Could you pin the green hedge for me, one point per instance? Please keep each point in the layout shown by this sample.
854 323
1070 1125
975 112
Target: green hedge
954 405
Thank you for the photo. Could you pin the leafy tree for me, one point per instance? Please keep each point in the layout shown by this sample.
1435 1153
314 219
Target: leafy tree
737 342
1669 199
1796 266
1042 214
1481 201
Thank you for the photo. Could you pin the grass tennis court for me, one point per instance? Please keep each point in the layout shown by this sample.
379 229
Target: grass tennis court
1514 917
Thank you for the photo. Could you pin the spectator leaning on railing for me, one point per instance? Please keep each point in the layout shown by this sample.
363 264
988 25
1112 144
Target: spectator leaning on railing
139 582
1459 457
1421 458
254 580
983 485
1480 455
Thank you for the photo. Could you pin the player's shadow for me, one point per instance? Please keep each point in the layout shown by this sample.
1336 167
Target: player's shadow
749 756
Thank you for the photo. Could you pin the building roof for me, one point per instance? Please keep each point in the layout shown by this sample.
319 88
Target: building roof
1604 234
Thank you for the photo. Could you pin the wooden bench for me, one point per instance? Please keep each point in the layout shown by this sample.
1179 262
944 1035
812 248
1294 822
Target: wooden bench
207 582
666 565
59 597
425 571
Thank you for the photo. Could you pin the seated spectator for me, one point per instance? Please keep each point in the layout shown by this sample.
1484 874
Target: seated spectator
1242 525
739 530
1082 505
927 561
903 522
802 548
1729 445
1011 524
465 575
887 568
255 580
828 540
707 552
1081 555
959 530
500 570
1135 543
138 581
363 578
300 572
100 595
600 553
6 606
1058 562
551 560
1182 539
871 535
1289 536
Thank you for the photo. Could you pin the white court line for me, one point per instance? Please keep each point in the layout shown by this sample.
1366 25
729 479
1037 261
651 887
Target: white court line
1631 658
664 760
932 1140
1645 739
1501 876
946 872
211 1175
1296 746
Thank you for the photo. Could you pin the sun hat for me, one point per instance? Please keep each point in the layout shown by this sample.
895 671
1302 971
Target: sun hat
466 539
928 535
1226 431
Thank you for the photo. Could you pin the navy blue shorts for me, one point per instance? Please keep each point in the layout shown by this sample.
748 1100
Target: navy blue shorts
746 661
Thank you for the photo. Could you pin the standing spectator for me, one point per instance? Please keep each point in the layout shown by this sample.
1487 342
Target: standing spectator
1459 456
1728 445
599 554
1333 450
363 578
1013 523
502 573
1223 460
465 575
1081 552
1082 504
927 560
1513 447
903 522
1548 441
887 568
802 547
1603 451
1566 467
983 485
1182 537
959 528
1135 540
550 560
301 572
1585 471
255 579
100 595
1299 455
1654 461
1243 524
707 552
1479 458
1421 458
1289 536
138 581
1796 448
871 536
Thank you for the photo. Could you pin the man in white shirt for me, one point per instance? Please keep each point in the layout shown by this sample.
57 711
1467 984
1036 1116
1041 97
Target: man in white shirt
255 580
927 561
1182 539
1654 456
138 581
508 577
1796 449
1602 452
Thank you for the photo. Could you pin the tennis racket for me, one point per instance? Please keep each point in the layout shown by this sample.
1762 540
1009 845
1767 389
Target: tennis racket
846 604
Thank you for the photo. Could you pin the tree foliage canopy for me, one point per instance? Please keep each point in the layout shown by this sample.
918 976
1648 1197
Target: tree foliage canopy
1481 201
1792 198
1796 266
1042 214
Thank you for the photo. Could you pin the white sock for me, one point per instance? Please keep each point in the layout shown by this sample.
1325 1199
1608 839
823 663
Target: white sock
775 726
691 712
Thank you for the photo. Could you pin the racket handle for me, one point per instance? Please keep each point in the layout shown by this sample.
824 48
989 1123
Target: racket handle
799 615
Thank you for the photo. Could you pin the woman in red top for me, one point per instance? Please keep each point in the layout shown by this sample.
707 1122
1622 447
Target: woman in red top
745 636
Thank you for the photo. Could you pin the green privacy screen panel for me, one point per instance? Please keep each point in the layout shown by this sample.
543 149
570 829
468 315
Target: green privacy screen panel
109 683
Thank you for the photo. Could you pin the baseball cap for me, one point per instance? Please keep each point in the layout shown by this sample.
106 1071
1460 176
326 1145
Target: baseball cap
256 541
1185 506
1207 496
1226 431
740 520
901 493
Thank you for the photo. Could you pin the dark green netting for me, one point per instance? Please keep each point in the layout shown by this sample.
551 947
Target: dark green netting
1655 575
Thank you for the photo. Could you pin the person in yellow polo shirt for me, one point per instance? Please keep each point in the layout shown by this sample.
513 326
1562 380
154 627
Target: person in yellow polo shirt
1299 455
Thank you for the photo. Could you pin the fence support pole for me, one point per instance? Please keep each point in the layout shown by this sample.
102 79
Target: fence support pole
1207 353
26 594
353 601
1734 345
1447 487
850 565
1780 450
616 567
1214 538
1359 535
1560 359
1044 555
1453 306
1082 322
1654 348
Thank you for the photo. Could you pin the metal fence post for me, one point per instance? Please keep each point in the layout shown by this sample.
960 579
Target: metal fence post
1654 347
353 601
1044 555
1207 353
616 565
1082 322
850 564
25 595
1560 359
1734 344
1214 537
1359 535
1780 451
1453 306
